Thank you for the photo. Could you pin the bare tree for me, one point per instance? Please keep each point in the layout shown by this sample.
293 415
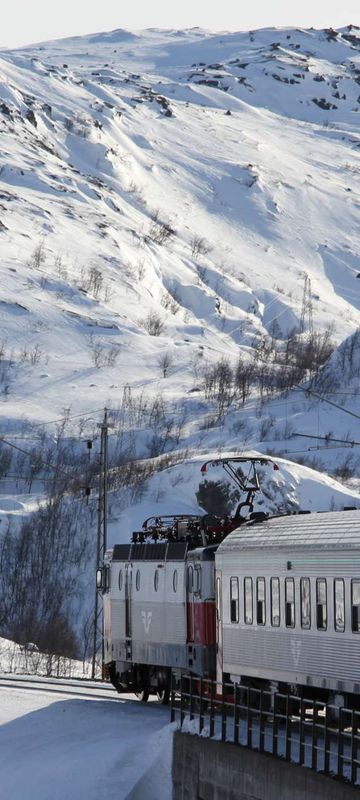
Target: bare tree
153 324
199 246
39 256
165 363
219 385
40 563
160 231
101 355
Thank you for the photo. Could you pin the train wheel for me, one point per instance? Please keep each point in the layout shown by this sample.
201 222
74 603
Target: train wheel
143 696
163 696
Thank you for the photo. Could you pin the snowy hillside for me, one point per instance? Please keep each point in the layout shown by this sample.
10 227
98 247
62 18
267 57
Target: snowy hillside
171 201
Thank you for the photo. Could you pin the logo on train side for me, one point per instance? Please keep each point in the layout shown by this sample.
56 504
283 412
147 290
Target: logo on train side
296 651
146 618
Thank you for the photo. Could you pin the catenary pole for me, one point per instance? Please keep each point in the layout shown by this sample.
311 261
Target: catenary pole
101 539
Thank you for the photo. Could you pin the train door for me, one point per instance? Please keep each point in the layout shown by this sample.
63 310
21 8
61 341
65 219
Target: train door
190 600
219 623
128 625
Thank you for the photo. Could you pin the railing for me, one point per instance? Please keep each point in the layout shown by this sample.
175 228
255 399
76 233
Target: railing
323 737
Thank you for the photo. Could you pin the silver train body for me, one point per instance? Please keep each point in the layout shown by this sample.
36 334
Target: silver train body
289 602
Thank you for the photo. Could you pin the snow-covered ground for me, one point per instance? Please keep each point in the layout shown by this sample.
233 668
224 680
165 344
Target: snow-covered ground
56 743
91 155
28 660
221 138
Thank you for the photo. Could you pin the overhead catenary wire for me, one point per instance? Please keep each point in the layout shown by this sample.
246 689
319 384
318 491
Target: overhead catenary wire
43 463
349 442
287 452
66 417
330 402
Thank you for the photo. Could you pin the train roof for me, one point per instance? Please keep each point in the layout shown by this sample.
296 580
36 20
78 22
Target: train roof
320 531
149 551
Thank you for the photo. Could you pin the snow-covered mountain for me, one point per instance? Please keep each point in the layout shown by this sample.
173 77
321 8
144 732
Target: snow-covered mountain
170 200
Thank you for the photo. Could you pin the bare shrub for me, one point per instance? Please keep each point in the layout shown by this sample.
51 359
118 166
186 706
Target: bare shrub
153 324
199 246
92 280
38 256
244 378
165 363
101 355
32 356
347 469
218 384
35 355
138 269
6 364
95 281
160 231
137 191
112 356
107 293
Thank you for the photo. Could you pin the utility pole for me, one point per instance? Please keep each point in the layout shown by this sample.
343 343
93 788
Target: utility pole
306 308
101 542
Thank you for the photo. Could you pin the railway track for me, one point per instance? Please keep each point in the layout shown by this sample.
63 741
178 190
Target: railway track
75 687
81 688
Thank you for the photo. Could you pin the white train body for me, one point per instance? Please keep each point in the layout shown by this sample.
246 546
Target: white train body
159 608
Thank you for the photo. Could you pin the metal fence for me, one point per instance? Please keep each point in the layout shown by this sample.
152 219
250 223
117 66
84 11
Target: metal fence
323 737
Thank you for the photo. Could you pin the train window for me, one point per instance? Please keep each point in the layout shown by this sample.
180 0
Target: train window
248 601
275 601
190 579
156 580
217 592
305 603
260 601
234 599
197 579
339 604
355 606
137 580
120 579
289 603
321 604
175 580
106 578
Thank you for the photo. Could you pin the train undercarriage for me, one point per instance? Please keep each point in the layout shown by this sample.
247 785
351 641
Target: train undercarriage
142 680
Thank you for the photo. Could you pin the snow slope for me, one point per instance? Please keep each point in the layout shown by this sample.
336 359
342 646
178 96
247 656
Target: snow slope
190 175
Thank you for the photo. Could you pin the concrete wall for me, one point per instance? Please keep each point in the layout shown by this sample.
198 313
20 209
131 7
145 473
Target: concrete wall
208 770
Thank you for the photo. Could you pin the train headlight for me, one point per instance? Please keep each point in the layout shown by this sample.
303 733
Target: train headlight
99 579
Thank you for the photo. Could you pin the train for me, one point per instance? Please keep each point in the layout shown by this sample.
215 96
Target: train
271 602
